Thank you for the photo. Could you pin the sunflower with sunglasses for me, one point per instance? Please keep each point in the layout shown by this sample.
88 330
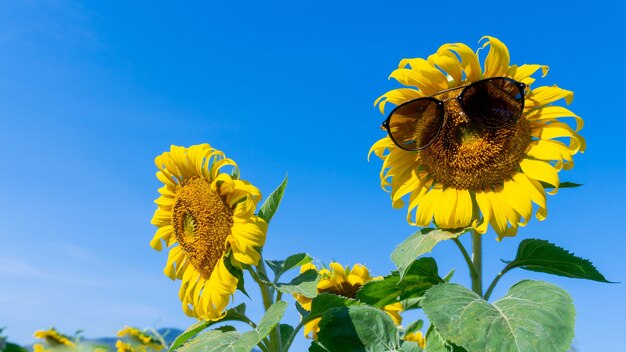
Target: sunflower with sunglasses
474 147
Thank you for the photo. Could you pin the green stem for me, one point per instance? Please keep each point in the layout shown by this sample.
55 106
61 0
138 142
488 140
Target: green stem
268 300
477 260
466 256
495 281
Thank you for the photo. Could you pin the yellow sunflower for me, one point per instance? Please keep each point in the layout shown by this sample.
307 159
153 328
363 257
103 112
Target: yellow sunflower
344 282
140 340
54 339
417 337
471 176
122 346
206 217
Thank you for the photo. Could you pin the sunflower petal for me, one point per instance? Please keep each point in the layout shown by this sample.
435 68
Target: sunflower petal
497 60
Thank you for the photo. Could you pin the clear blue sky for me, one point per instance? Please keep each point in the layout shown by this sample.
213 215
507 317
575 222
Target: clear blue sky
91 92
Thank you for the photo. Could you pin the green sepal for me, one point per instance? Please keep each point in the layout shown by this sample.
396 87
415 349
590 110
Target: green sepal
532 316
269 207
561 185
543 256
236 272
420 243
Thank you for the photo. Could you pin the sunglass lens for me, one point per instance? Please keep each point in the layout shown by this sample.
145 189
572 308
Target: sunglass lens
494 103
416 124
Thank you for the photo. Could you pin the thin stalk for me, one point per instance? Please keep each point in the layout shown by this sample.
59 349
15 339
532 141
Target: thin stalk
466 256
495 281
477 260
268 300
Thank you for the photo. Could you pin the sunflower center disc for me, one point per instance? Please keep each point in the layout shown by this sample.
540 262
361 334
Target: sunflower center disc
345 289
467 156
202 222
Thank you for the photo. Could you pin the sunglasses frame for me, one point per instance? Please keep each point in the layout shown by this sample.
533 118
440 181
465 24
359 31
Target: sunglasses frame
441 103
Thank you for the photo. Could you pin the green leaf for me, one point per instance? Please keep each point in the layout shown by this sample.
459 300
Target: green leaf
421 275
414 326
303 312
213 341
238 273
272 202
410 346
279 267
11 347
533 316
271 318
285 331
316 346
449 276
231 341
561 185
234 314
436 343
304 284
419 244
543 256
358 328
326 301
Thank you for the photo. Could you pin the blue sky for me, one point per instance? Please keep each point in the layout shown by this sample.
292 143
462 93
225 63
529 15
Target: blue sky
91 92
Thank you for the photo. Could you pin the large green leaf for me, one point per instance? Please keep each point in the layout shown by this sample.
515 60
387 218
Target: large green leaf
326 301
420 243
233 314
230 341
304 284
436 343
279 267
214 341
410 346
358 328
285 332
543 256
270 319
272 202
533 316
421 275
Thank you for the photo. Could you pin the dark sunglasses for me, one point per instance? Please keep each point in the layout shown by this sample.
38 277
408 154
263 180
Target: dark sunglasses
491 103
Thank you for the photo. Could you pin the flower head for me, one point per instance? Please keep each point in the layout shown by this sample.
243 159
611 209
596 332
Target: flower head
342 281
206 217
53 339
471 176
140 340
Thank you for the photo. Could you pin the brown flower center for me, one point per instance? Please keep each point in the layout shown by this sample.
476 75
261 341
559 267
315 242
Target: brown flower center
345 289
467 156
202 221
